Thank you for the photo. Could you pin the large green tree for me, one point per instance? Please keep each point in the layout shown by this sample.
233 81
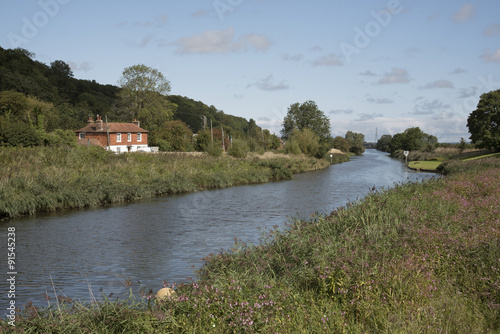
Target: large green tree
143 96
484 122
307 116
356 142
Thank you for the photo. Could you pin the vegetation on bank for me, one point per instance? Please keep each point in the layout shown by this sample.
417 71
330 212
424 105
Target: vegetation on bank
419 258
42 179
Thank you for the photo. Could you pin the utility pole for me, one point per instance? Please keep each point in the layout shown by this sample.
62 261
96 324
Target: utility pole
223 146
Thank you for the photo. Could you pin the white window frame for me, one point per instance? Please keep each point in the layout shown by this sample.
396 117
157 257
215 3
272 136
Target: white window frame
118 137
139 136
82 135
129 136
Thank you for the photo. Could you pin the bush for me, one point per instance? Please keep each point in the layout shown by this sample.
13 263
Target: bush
239 148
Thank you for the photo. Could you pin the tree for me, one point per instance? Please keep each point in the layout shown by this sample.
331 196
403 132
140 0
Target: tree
383 143
307 141
356 142
306 115
340 143
143 96
484 122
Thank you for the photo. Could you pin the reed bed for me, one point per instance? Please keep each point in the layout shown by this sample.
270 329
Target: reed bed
418 258
44 179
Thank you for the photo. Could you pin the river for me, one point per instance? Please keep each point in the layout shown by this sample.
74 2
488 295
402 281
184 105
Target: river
101 251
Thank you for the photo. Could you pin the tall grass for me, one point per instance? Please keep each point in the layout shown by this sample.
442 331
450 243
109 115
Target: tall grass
419 258
48 179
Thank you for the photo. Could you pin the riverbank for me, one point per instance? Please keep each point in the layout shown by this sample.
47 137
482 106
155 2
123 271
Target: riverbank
45 179
420 257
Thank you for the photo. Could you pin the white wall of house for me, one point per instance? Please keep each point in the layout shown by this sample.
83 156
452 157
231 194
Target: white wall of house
125 148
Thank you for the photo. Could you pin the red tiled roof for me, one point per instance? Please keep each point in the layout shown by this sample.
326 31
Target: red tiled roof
113 128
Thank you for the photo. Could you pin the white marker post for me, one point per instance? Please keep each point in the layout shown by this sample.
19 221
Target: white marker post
406 157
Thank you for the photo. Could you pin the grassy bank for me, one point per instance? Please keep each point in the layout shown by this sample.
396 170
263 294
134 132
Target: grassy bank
419 258
49 179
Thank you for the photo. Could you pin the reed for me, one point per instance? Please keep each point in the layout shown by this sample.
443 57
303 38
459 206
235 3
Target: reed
45 179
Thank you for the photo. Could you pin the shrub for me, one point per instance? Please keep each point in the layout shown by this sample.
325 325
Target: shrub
239 148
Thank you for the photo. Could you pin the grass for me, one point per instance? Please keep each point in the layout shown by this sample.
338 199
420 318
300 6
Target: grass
493 155
426 165
50 179
418 258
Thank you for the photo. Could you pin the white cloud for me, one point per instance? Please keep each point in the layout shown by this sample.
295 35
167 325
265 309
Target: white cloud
222 41
363 117
379 101
458 70
491 57
83 66
492 30
268 84
368 73
341 111
328 60
465 13
426 107
397 75
464 92
438 84
294 57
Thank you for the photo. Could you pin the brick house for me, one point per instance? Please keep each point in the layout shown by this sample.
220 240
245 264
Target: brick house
117 137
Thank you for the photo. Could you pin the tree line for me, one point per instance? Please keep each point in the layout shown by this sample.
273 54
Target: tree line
43 104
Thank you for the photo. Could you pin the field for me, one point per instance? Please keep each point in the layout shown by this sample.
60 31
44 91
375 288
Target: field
418 258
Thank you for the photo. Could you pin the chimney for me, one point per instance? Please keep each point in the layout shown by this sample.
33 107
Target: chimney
136 122
91 120
99 124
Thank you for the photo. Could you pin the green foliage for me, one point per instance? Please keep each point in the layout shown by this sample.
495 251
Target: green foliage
484 122
173 136
292 147
306 115
307 141
356 142
411 139
340 143
239 148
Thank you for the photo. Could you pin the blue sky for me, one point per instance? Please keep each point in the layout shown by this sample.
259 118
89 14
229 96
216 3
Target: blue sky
383 65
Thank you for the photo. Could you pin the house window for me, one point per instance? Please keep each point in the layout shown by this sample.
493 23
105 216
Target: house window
129 136
139 137
118 137
82 135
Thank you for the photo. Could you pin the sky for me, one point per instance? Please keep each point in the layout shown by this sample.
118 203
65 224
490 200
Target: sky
373 67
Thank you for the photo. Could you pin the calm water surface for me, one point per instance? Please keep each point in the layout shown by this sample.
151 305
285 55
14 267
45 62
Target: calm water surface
164 239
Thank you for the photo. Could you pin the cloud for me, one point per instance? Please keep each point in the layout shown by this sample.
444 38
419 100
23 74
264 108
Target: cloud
438 84
426 107
268 84
295 57
492 31
142 43
341 111
83 66
379 101
458 70
397 75
368 73
328 60
465 93
490 57
221 41
363 117
465 13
